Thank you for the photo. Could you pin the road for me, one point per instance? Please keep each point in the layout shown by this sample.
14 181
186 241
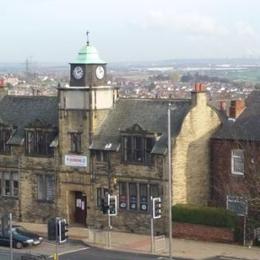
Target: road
102 254
98 254
78 251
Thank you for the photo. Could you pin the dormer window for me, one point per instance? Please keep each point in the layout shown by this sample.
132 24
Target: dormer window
37 142
5 134
137 149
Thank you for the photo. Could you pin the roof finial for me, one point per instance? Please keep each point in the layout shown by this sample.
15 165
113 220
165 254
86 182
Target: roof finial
87 38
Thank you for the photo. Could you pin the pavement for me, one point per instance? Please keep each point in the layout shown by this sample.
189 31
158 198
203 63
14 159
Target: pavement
130 242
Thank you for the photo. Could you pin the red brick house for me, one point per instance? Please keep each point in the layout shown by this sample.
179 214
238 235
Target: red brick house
235 156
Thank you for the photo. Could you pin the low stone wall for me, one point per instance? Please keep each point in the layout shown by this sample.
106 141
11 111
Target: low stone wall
201 232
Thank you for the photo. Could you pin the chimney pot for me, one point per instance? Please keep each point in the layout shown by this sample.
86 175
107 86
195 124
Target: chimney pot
236 107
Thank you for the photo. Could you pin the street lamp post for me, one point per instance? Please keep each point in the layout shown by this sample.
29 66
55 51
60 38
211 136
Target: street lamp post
170 179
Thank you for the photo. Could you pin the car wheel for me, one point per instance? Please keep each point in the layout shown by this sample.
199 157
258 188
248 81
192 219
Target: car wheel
18 245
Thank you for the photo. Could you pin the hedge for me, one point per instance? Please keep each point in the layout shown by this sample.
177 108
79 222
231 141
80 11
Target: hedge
210 216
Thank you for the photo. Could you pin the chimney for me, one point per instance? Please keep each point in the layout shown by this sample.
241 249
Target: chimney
222 106
198 95
2 83
236 108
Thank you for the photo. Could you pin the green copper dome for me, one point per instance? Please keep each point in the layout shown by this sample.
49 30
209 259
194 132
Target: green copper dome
88 55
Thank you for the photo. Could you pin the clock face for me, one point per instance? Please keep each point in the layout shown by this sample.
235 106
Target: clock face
100 72
78 72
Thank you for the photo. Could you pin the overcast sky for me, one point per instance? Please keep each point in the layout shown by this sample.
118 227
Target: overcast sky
129 30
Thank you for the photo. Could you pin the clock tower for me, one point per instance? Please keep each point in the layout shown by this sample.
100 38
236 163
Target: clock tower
88 70
85 103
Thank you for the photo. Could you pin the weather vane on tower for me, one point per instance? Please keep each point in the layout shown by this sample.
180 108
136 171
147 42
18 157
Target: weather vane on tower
87 37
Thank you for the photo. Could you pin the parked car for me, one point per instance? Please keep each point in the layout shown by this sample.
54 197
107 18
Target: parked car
23 231
19 241
21 237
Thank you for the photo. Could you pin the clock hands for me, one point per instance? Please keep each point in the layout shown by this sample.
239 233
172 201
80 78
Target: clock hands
87 38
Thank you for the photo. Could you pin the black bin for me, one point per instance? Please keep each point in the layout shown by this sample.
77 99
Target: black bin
52 229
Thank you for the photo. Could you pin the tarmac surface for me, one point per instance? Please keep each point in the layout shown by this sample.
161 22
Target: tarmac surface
141 244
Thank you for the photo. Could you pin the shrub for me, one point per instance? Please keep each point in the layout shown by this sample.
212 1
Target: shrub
210 216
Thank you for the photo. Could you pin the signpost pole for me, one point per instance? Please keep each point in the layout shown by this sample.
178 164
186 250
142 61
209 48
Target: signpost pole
11 237
109 234
109 223
244 235
152 232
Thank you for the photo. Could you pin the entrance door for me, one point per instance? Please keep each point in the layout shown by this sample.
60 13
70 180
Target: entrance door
80 207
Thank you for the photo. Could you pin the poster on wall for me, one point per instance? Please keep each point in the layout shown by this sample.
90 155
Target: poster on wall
76 160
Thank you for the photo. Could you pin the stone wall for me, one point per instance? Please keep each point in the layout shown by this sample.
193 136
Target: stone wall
131 221
26 207
191 151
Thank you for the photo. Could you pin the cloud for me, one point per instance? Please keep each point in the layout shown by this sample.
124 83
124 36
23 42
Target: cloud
187 23
244 29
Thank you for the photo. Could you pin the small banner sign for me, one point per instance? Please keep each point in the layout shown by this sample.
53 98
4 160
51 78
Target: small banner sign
76 160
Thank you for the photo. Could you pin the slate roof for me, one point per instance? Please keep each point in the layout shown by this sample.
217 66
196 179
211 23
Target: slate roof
22 111
149 114
247 125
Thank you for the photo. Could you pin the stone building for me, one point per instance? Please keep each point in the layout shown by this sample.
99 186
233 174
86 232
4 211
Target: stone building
28 165
63 155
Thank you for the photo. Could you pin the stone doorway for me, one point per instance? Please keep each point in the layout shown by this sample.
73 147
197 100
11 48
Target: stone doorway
80 203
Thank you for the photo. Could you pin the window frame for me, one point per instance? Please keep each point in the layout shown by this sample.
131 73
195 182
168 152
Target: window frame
38 141
11 177
5 134
138 196
75 142
233 158
101 156
138 145
45 197
101 194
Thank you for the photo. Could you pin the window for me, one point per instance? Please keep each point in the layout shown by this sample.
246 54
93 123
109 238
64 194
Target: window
136 196
46 187
37 142
123 195
133 196
101 156
5 134
9 184
101 195
237 162
143 197
137 149
75 142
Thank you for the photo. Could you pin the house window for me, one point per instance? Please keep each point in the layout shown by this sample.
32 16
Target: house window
137 149
37 142
101 195
123 195
9 184
237 162
75 142
4 137
136 196
46 187
143 197
133 196
101 156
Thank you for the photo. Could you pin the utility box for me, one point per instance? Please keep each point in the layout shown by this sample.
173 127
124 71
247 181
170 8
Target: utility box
52 229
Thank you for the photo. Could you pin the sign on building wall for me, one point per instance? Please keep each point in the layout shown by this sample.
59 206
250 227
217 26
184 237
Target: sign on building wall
76 160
